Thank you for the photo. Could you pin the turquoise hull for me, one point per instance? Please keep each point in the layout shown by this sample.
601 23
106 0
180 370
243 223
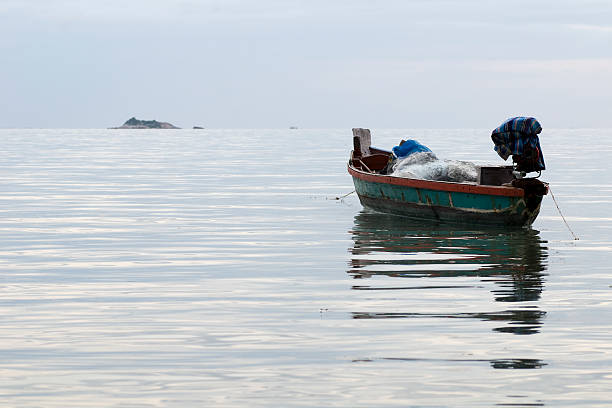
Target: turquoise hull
445 202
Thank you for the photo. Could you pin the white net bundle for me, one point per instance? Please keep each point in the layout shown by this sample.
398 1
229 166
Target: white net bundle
426 166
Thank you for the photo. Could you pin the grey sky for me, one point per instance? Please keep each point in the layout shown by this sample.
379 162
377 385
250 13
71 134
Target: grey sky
334 63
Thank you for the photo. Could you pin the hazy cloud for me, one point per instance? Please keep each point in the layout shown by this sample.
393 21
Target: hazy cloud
316 63
597 28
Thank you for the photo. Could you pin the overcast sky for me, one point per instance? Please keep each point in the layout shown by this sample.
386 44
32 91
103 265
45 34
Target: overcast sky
306 63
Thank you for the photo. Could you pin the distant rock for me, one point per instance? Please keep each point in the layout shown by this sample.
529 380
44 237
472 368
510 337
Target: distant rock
293 127
198 127
134 123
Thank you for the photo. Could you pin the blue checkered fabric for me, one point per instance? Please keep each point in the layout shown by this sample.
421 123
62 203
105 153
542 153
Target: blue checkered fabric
518 136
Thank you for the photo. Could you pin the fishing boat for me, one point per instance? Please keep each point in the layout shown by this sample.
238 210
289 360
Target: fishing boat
496 198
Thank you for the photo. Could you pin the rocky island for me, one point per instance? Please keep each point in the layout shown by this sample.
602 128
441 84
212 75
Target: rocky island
134 123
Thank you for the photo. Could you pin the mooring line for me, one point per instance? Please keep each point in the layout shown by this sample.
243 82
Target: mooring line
561 214
340 198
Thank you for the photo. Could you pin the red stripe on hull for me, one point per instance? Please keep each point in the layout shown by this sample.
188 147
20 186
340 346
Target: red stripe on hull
437 185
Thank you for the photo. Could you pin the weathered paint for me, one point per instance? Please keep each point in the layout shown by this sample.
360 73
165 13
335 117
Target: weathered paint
454 202
437 185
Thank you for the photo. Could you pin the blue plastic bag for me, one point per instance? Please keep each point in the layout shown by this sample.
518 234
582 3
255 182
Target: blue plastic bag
407 147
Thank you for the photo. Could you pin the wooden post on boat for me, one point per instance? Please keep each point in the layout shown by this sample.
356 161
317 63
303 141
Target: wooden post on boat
362 139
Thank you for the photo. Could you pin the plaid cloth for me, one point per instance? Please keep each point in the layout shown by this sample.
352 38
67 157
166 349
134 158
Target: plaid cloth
519 137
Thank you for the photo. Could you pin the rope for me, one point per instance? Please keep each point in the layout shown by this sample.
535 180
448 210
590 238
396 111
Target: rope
364 165
341 197
558 209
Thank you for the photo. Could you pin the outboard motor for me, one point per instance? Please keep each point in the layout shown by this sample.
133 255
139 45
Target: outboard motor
519 137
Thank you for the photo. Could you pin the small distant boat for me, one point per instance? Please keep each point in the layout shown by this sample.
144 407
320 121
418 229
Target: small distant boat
498 198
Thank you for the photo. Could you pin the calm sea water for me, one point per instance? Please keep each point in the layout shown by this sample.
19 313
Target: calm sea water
216 268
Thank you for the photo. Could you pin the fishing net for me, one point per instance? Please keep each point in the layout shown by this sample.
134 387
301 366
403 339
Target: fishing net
426 166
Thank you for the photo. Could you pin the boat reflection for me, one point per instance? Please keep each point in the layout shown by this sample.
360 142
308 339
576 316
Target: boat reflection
513 260
513 363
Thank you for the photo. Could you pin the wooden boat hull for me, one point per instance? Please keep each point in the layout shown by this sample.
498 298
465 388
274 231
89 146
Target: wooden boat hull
445 201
